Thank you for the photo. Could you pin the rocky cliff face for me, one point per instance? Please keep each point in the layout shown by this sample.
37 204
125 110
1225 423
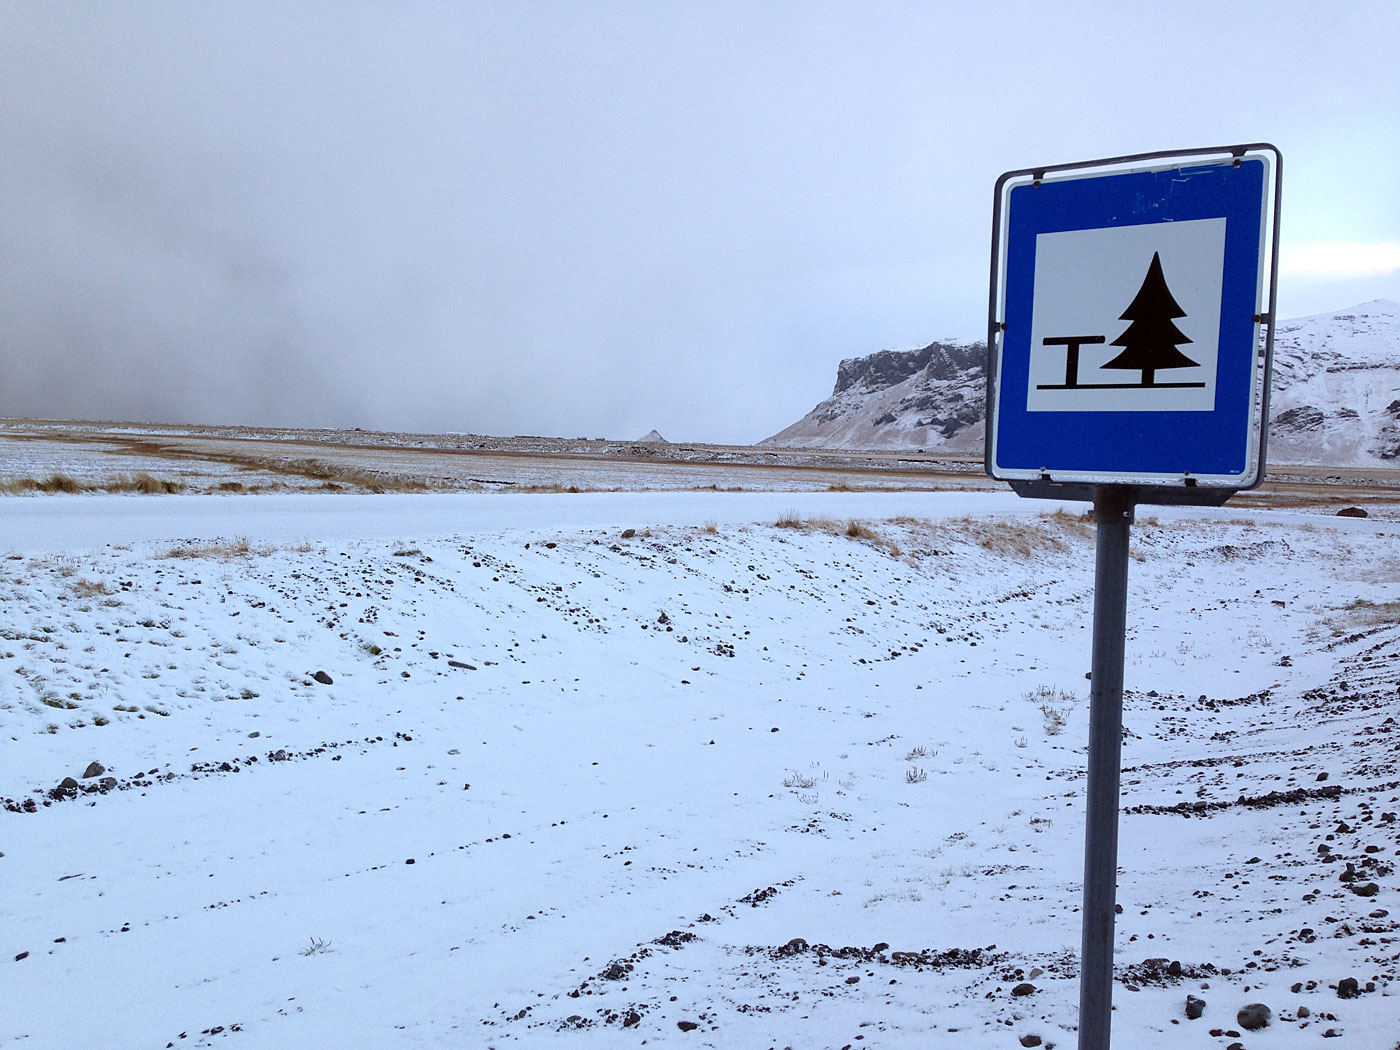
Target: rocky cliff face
1335 400
1336 390
938 361
931 397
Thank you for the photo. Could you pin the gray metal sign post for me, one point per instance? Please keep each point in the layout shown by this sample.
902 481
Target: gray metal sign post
1113 515
1171 253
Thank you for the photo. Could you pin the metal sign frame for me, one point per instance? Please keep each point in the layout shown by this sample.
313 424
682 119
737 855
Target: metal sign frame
1198 456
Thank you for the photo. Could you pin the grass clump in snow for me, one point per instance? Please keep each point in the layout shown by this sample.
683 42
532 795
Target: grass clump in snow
1079 526
140 482
238 547
335 477
1054 705
60 483
1018 539
53 483
856 530
143 483
1361 613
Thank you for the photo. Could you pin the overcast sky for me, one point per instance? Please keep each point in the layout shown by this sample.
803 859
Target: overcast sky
599 218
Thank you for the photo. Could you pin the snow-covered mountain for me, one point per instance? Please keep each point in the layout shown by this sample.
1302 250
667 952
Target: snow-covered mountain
1336 390
1336 394
929 398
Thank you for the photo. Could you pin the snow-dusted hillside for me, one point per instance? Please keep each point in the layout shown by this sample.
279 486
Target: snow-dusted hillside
928 398
1337 387
623 769
1336 394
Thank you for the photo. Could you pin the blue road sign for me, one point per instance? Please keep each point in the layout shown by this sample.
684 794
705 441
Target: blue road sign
1125 321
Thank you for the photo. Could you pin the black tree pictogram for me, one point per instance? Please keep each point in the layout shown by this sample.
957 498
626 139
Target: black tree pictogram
1150 340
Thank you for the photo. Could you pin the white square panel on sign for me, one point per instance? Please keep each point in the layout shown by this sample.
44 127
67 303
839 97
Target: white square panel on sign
1127 318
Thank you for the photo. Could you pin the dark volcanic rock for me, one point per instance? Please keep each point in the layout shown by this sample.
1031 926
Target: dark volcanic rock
1194 1007
94 769
323 678
616 970
1304 417
1254 1017
940 361
1352 512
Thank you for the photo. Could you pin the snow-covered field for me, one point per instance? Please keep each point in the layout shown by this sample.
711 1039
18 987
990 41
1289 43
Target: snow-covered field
247 460
624 769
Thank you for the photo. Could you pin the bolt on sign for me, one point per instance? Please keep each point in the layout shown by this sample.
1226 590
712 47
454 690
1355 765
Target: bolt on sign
1128 335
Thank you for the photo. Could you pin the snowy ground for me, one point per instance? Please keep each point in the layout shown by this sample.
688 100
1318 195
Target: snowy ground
717 782
246 460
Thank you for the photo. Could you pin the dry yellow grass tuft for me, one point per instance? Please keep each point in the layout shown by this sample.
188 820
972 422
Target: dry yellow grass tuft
238 547
144 483
855 530
53 483
141 482
1360 614
1078 525
334 477
1017 539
